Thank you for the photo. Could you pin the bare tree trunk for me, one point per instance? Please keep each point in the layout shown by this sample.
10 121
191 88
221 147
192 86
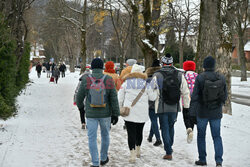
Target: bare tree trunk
210 43
83 39
180 50
225 68
209 31
242 55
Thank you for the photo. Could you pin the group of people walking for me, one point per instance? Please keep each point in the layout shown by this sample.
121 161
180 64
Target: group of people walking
161 92
53 71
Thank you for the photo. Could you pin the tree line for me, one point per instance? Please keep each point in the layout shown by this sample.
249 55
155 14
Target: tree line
14 53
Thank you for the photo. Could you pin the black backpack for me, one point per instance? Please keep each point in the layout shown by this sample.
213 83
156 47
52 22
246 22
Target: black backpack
213 93
171 86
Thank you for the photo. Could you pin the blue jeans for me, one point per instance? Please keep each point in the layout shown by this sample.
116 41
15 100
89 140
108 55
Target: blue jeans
92 125
215 130
167 121
154 130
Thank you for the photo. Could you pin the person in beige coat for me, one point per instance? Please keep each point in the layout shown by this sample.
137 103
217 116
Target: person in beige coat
132 86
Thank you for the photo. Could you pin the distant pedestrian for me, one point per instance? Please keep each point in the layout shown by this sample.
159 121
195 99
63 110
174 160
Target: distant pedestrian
62 69
56 74
48 65
101 107
154 130
38 69
209 95
190 76
172 85
135 94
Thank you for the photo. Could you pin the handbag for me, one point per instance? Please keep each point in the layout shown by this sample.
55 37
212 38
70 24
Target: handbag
124 111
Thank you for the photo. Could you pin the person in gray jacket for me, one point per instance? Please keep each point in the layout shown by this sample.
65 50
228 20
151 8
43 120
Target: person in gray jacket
172 85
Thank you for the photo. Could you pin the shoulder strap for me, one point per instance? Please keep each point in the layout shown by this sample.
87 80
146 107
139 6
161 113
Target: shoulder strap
91 78
138 96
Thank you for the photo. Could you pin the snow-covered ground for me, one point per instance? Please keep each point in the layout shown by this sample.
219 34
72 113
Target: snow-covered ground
47 132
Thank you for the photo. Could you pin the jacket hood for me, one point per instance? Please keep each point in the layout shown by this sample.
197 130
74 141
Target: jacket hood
135 75
151 70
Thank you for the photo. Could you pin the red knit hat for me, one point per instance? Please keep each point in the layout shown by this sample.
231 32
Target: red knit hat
189 66
109 67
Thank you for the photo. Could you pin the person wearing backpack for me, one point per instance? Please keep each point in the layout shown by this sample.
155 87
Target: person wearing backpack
135 94
154 129
209 95
172 85
190 76
82 110
101 108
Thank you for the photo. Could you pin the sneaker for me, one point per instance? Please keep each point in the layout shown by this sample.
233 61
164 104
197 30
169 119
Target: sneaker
168 157
149 139
104 162
157 143
218 164
189 135
200 163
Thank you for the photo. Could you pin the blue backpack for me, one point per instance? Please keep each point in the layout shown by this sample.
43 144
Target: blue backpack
97 92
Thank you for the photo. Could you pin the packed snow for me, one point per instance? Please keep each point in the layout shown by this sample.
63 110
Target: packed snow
47 132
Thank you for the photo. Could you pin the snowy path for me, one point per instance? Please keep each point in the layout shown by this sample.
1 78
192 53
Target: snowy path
47 132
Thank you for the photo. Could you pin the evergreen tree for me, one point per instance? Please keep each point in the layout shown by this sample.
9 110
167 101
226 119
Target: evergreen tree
7 71
23 72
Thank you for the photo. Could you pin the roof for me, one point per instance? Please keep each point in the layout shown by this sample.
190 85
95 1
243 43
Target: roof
247 46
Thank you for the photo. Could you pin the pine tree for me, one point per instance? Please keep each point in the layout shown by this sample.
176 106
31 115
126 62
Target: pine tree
7 71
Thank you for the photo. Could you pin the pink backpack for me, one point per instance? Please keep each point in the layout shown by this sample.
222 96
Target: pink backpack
190 77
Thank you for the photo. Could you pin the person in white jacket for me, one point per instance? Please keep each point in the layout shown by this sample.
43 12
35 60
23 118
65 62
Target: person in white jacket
134 83
172 85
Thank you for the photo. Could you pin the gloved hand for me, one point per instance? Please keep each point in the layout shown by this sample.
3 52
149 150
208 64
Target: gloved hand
114 120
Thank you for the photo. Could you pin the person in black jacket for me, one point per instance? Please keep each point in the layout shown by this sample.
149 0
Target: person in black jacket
62 69
208 108
38 69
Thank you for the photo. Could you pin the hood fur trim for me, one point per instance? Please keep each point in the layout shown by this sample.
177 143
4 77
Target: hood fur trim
151 70
135 75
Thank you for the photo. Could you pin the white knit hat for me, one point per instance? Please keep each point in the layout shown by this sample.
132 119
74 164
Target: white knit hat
137 68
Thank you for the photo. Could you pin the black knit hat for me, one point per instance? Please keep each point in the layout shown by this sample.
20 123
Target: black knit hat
97 63
209 63
156 63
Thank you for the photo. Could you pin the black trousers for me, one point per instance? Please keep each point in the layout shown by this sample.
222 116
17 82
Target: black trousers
189 121
63 74
82 115
135 134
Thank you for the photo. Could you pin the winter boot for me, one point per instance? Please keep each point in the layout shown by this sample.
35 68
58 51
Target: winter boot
132 156
218 164
158 142
168 157
190 135
138 151
83 126
200 163
105 162
149 139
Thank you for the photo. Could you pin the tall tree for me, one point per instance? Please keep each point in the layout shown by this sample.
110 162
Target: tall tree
148 38
211 42
184 16
236 17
